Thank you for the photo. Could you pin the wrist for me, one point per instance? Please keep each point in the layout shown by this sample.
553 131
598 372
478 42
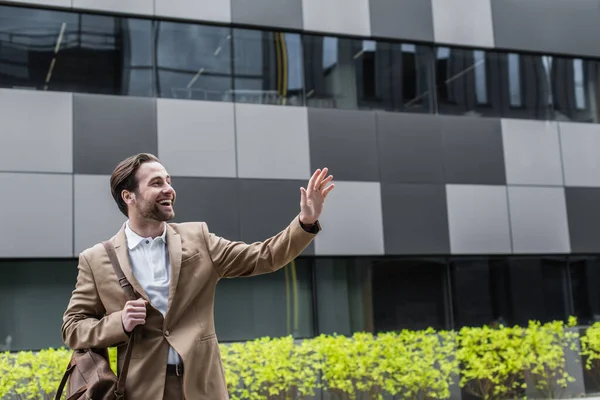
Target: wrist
306 221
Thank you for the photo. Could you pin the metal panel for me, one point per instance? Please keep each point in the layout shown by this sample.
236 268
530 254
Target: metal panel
201 10
561 26
271 13
478 219
196 138
97 216
415 219
37 221
410 148
344 141
108 129
463 22
404 19
584 219
473 151
531 152
538 218
337 16
272 142
346 231
267 207
580 146
210 200
139 7
42 143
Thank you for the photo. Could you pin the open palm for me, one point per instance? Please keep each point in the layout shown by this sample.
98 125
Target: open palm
313 197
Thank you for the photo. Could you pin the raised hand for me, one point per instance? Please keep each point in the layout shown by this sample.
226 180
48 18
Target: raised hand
313 197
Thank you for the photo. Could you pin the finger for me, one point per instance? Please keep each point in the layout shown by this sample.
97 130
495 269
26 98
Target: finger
312 180
136 322
137 315
328 190
302 197
136 309
326 181
320 178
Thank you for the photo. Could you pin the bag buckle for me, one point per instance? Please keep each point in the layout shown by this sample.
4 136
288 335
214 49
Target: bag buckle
177 373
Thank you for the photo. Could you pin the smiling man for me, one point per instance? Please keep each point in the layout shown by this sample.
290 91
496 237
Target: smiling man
174 269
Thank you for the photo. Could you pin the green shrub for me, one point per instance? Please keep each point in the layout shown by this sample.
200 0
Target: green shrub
590 351
491 363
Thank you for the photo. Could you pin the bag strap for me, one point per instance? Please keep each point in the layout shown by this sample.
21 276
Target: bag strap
110 249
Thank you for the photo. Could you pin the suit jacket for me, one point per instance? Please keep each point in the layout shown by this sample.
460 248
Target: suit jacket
199 259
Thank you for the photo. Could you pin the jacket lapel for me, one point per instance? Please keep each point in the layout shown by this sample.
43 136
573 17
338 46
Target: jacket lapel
174 247
120 243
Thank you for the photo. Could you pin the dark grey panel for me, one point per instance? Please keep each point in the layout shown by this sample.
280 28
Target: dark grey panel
473 151
578 22
583 215
344 141
402 19
108 129
211 200
415 219
279 13
267 207
410 148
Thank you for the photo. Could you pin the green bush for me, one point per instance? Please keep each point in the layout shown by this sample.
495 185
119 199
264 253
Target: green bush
491 364
590 351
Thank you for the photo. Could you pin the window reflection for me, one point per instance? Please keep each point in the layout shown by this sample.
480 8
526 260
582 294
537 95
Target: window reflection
193 61
585 275
490 291
62 51
466 82
275 304
576 89
268 67
364 74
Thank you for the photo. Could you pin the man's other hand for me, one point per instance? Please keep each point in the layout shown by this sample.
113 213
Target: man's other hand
134 314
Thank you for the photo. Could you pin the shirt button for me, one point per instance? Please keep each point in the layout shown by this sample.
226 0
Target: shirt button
147 241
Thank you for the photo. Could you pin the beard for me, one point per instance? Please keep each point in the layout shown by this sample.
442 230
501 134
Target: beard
154 211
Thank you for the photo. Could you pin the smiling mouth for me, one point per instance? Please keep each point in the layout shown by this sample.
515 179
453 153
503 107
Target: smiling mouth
166 203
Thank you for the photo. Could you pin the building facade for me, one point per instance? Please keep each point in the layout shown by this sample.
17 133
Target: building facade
463 137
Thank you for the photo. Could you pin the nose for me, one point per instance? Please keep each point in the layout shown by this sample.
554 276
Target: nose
168 189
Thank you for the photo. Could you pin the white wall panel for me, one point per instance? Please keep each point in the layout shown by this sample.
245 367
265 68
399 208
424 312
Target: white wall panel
36 211
580 145
272 142
531 152
97 217
196 138
337 16
202 10
36 131
346 231
478 219
463 22
138 7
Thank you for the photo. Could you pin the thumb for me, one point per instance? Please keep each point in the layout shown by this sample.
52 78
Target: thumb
302 197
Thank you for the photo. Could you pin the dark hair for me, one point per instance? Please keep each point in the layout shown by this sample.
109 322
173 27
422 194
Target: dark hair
124 177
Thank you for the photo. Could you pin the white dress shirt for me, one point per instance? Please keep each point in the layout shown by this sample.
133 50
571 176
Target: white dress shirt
152 268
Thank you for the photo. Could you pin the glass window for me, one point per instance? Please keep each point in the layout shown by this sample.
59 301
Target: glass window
364 74
33 298
268 67
576 89
525 86
193 61
467 82
275 304
489 291
585 275
409 294
62 51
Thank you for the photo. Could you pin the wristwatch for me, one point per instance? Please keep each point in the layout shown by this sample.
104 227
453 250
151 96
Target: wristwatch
312 228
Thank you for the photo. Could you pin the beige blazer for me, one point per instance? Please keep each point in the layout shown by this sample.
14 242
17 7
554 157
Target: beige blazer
199 259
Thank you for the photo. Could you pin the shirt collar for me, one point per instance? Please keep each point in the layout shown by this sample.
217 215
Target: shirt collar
133 239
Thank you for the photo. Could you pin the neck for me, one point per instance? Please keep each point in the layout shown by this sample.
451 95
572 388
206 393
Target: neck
151 229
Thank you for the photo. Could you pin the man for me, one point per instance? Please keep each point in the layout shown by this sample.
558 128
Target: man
174 268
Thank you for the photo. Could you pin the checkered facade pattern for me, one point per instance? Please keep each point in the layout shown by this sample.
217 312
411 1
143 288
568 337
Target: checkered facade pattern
406 184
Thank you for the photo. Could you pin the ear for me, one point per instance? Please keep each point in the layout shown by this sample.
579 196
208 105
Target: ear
128 197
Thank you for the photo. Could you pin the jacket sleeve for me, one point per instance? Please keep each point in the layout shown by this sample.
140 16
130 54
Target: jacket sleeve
237 259
85 324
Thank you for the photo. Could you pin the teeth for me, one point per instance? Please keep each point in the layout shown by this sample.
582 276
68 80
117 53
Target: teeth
165 202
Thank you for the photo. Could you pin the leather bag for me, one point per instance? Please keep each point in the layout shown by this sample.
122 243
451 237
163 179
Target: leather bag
89 374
